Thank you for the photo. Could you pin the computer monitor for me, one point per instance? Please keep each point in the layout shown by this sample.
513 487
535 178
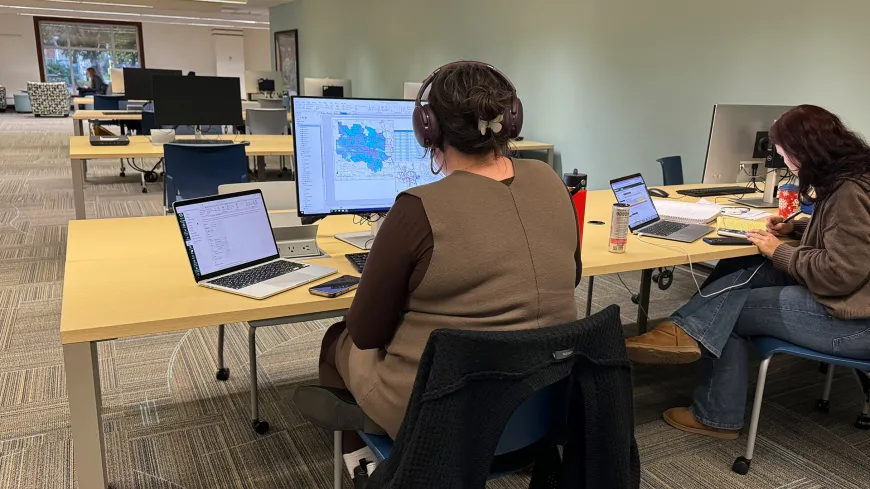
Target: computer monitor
354 156
327 87
766 151
411 89
117 79
197 101
137 82
266 85
732 138
252 81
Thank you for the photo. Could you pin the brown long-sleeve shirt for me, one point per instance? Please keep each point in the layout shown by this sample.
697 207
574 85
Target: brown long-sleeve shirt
395 268
833 258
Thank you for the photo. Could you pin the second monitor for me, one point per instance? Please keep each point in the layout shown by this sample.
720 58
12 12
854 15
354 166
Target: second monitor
197 101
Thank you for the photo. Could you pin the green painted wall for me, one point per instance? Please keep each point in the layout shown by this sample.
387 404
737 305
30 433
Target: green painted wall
614 84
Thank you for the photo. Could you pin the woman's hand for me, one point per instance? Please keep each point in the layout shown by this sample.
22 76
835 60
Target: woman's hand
765 241
777 227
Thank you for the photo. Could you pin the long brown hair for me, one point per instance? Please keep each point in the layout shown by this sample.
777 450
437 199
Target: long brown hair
827 152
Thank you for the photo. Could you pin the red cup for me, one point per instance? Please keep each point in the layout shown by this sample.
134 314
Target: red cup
788 200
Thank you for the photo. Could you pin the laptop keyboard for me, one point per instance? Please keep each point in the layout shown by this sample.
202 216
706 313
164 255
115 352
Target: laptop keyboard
664 228
251 276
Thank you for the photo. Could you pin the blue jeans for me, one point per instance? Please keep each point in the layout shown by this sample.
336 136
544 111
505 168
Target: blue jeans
771 304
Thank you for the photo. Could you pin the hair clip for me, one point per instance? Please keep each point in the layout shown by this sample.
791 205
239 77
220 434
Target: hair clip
494 125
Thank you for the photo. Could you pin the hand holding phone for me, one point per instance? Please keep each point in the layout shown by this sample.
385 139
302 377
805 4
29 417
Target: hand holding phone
336 287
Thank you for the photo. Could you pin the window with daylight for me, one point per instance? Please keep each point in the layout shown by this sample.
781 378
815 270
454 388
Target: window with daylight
68 48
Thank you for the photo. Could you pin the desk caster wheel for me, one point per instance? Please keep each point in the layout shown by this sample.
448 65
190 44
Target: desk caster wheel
123 174
823 405
223 374
665 279
144 190
635 299
863 422
261 427
741 465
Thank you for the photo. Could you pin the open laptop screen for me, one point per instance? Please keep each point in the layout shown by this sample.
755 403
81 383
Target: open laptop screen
226 233
632 190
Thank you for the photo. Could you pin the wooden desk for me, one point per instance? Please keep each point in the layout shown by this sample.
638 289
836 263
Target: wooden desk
80 116
100 276
80 150
525 145
99 272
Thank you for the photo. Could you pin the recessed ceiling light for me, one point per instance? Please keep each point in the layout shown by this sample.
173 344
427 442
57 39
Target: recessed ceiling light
236 2
102 3
131 14
74 17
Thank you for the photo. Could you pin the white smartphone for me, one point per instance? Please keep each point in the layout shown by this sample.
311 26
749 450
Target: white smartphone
733 233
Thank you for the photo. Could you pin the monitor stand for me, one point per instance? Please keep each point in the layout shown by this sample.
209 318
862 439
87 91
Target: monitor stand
362 239
769 201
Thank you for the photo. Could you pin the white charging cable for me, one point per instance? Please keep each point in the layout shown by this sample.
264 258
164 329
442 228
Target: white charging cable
692 269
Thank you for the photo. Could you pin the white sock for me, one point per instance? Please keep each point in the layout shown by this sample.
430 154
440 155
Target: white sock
351 460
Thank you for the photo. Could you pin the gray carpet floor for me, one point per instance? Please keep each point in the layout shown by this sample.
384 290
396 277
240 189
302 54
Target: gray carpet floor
169 424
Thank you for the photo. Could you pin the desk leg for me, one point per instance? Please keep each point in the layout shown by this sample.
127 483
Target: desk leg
78 127
261 427
78 181
643 306
551 158
261 168
589 290
83 389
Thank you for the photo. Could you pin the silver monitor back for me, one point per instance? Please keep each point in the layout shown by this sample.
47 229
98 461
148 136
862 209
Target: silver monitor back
732 139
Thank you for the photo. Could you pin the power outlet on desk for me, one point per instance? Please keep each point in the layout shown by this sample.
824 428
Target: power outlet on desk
298 249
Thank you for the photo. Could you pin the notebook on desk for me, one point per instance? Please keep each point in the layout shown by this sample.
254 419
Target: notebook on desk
687 212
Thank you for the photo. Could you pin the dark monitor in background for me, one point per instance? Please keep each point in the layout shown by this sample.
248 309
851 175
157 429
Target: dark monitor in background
767 151
191 73
137 82
197 101
266 85
333 91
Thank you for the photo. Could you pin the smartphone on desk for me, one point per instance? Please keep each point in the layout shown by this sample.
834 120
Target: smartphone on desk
336 287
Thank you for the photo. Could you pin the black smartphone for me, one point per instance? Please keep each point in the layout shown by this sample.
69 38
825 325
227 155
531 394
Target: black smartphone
336 287
728 241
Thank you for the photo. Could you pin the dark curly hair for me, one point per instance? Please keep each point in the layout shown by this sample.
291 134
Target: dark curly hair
826 151
463 94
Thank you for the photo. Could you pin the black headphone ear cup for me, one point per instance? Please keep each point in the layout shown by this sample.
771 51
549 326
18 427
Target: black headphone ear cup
426 127
514 119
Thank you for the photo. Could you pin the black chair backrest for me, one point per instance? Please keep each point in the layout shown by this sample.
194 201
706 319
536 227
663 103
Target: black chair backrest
672 170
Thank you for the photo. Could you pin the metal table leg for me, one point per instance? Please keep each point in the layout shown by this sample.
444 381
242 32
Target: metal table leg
78 181
643 306
78 127
261 427
223 373
589 296
551 157
261 168
83 389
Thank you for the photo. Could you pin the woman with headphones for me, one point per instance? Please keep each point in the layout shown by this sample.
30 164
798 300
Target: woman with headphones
492 245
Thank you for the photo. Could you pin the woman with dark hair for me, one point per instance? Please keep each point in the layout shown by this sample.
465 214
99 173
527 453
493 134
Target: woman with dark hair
815 295
493 245
96 84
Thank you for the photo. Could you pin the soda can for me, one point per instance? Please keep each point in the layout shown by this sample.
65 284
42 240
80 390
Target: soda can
619 228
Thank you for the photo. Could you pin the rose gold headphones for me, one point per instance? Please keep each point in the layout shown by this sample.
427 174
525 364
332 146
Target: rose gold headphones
426 126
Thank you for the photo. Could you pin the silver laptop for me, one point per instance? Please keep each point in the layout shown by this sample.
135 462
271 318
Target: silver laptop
230 245
643 218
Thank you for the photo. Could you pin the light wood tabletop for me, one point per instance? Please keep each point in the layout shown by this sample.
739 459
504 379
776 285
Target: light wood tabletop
246 104
110 260
98 115
80 147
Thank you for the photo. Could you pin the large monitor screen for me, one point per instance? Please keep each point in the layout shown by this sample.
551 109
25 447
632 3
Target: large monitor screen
137 82
197 101
354 156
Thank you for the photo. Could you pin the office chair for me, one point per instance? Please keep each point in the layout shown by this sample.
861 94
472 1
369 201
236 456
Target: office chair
672 174
110 102
198 171
271 103
278 196
766 348
268 122
206 130
672 170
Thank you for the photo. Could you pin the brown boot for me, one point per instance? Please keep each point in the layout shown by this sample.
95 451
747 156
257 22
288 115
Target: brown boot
682 419
665 344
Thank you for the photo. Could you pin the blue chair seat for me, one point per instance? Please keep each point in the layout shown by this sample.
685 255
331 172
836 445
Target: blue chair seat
767 347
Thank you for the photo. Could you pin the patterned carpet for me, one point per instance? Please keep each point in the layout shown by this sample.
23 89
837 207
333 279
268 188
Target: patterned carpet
169 424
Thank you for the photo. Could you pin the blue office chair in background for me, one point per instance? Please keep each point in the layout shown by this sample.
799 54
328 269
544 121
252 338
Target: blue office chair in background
766 348
672 170
198 171
111 102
